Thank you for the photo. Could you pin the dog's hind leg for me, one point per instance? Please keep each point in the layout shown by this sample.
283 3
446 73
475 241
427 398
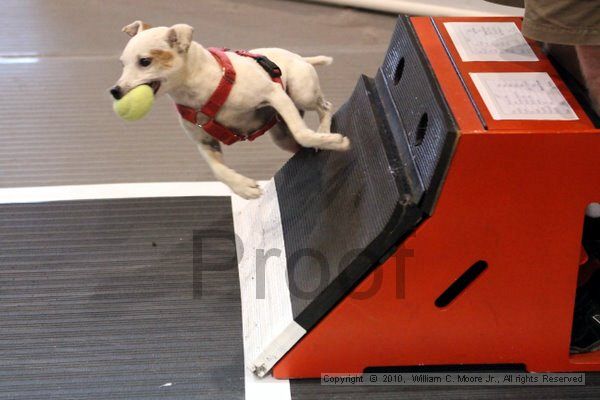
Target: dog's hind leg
306 137
283 138
324 110
305 91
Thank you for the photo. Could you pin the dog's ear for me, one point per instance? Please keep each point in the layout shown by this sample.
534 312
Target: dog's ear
179 37
135 27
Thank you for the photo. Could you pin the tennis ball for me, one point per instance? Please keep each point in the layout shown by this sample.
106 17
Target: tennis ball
135 104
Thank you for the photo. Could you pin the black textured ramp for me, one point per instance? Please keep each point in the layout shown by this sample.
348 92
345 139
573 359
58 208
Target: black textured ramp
416 110
341 212
109 299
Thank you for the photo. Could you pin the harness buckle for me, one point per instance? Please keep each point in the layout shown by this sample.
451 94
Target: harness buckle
269 66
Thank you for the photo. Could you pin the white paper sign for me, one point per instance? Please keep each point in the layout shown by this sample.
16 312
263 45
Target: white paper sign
489 41
522 95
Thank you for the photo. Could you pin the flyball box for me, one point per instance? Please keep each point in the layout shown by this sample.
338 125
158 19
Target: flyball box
451 232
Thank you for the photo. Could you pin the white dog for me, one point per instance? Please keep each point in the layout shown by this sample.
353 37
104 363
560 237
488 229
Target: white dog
170 62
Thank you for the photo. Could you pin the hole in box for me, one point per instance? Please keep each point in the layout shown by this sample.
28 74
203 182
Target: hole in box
461 284
399 71
421 129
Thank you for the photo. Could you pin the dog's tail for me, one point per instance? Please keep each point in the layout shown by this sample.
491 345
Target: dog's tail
318 60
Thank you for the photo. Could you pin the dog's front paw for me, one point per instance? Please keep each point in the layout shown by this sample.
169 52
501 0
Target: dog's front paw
245 187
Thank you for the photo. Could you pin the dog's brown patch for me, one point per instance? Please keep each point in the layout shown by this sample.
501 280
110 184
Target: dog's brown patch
162 57
146 26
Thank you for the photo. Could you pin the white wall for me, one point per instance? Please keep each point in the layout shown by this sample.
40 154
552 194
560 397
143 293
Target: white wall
432 7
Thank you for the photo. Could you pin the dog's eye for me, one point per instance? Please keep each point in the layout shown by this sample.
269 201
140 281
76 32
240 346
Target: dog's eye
145 61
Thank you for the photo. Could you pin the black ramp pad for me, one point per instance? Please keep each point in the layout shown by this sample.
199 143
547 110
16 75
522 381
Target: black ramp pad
416 110
342 213
115 298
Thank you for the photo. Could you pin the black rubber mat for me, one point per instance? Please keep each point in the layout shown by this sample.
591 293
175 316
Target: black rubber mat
131 298
108 299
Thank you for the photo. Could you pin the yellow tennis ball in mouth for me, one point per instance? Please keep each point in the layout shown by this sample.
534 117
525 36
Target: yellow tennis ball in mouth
135 104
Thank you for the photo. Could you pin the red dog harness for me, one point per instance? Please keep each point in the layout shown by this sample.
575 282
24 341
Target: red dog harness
220 95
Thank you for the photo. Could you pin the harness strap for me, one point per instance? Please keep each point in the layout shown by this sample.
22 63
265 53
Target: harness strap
220 95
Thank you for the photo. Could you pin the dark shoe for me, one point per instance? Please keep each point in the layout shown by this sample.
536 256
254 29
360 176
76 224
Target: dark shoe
591 237
586 322
593 286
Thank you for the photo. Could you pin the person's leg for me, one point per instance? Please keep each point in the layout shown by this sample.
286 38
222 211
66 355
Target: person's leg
589 61
570 22
567 27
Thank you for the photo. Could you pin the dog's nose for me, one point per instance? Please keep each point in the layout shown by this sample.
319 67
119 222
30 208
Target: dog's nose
116 92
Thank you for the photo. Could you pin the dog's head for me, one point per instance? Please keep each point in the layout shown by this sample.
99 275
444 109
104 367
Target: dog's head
153 56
